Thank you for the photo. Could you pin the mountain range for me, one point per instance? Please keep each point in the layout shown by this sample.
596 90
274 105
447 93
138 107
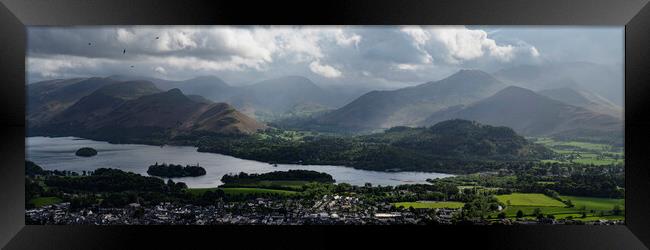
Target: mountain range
139 109
572 112
48 98
531 114
602 80
562 108
265 100
585 99
409 106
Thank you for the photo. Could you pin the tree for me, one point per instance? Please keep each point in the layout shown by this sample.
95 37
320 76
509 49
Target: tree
501 215
520 214
537 212
569 203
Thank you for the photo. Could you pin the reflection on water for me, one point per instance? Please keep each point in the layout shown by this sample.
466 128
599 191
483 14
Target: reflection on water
58 153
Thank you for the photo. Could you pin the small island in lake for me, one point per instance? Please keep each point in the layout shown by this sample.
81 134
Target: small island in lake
86 152
171 170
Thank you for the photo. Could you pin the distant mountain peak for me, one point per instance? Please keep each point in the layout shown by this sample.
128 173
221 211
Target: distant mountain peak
295 77
516 90
129 89
531 114
471 74
174 91
207 77
288 81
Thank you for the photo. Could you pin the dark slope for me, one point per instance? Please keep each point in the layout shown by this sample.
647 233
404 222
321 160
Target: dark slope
137 111
104 100
48 98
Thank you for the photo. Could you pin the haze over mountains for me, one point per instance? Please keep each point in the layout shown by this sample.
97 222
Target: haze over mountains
477 95
585 99
531 114
409 106
207 103
264 99
582 76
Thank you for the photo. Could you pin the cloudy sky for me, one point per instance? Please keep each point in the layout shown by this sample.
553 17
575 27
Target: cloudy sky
382 56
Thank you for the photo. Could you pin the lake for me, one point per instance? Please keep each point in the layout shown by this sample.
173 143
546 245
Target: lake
59 153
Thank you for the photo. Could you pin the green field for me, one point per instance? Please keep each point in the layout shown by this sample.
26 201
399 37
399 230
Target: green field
595 203
430 204
292 185
593 207
241 191
520 199
583 152
44 201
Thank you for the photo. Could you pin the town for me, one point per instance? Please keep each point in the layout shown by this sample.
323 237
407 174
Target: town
329 210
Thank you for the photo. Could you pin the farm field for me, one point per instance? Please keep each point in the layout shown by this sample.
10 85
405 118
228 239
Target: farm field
430 204
293 185
44 201
594 208
583 152
241 190
238 191
595 203
523 199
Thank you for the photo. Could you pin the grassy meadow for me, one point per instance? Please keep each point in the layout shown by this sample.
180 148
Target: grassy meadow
593 208
429 204
583 152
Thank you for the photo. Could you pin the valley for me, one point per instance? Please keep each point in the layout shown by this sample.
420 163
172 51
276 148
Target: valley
469 148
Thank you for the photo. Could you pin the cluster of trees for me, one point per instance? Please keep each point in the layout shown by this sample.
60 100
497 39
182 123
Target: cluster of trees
551 179
104 186
291 175
108 180
86 152
172 170
478 205
455 146
33 170
463 139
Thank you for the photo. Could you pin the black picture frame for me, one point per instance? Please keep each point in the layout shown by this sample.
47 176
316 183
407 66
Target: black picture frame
633 14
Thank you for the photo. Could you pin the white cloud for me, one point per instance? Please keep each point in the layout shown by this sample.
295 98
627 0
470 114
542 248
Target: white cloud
456 44
534 52
62 66
407 67
343 40
324 70
160 70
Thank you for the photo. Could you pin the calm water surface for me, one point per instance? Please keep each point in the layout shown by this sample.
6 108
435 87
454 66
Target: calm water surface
58 153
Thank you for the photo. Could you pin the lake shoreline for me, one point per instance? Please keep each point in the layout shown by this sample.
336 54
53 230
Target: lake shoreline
180 144
56 156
